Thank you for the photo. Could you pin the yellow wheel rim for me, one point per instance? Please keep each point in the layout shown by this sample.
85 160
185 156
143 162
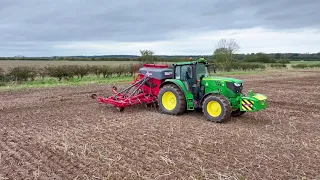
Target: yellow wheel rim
169 101
214 108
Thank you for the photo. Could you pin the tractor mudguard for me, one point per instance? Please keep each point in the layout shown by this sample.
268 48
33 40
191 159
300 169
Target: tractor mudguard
253 103
204 97
182 87
176 82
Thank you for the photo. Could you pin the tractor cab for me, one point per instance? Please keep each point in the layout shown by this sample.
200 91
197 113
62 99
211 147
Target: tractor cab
191 74
192 71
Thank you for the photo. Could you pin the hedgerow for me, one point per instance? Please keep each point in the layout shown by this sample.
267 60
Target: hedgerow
2 74
95 69
42 72
314 65
59 72
2 77
302 66
105 70
241 66
24 73
119 70
80 71
278 65
283 61
299 66
129 69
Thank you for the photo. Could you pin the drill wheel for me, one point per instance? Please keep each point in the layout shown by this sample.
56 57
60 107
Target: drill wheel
94 96
120 109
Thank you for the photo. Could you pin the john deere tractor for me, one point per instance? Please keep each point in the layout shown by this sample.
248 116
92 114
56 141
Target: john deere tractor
219 98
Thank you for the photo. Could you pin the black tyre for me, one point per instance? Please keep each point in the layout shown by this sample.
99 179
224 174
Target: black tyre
171 100
216 108
237 113
198 109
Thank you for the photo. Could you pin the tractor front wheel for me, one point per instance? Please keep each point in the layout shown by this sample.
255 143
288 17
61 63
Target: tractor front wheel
171 100
216 108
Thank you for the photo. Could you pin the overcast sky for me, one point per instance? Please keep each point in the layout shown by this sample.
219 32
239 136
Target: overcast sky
171 27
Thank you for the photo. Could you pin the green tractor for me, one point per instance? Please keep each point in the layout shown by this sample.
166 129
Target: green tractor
219 98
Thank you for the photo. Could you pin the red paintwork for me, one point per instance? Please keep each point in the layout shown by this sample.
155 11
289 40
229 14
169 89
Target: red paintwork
156 65
149 95
126 101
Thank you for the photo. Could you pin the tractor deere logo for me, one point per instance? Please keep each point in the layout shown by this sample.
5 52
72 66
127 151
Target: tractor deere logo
207 84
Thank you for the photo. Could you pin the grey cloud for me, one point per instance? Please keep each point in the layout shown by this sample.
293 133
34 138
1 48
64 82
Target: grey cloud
50 21
291 14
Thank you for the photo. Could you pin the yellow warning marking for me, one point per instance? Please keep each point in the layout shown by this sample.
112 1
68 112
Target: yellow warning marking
246 101
247 105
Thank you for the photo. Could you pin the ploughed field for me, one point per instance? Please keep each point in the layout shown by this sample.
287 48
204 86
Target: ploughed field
61 133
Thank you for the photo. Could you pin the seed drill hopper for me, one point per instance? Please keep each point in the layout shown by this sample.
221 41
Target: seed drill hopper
186 87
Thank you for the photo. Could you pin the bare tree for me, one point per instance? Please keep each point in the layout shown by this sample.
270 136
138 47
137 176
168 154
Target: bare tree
146 52
147 56
225 49
230 45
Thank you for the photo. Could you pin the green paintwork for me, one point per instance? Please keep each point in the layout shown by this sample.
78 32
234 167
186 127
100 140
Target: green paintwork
184 63
218 85
260 102
218 78
188 95
200 60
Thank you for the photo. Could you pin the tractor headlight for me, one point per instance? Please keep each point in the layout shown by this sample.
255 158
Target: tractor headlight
237 84
234 87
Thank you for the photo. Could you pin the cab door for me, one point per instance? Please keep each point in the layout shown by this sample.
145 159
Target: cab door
185 73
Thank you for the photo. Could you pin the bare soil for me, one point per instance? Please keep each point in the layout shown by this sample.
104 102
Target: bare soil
61 133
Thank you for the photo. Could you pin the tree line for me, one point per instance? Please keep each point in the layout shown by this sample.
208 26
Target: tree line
148 55
224 58
66 72
30 73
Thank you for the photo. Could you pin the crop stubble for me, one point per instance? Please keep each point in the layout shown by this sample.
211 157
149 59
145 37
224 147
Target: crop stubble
61 133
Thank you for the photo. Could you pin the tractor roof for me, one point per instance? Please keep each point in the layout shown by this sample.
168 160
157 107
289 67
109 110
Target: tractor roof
200 60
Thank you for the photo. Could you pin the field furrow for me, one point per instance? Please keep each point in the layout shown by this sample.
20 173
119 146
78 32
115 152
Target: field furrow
61 133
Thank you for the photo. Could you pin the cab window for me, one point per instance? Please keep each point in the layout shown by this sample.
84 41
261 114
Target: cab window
178 74
201 70
186 72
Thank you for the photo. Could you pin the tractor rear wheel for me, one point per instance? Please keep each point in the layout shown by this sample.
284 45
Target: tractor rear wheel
216 108
171 100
